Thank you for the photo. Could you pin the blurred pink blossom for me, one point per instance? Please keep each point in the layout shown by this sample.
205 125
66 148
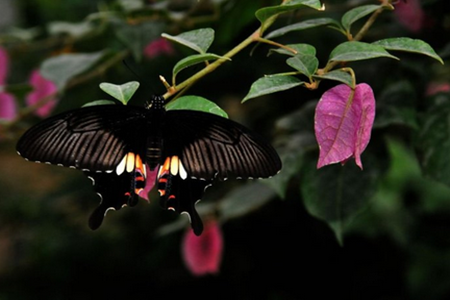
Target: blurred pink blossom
437 87
4 65
8 109
203 254
158 47
42 88
410 14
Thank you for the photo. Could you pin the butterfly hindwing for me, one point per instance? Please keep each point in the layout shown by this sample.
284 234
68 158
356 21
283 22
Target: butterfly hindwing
91 139
211 146
118 189
180 193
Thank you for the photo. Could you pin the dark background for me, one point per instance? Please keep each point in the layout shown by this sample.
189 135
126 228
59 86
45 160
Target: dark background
398 247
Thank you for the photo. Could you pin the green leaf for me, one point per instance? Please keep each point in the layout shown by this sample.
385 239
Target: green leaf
297 136
300 48
357 13
196 103
302 26
336 194
353 51
193 60
396 105
122 92
264 14
199 40
305 64
73 29
271 84
337 75
99 102
131 5
62 68
137 36
255 194
409 45
434 143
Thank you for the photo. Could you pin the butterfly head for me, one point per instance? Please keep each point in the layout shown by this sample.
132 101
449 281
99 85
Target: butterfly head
156 102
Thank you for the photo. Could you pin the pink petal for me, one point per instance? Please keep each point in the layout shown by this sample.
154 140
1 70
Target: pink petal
42 89
342 125
410 14
203 254
4 65
8 109
437 87
149 182
158 47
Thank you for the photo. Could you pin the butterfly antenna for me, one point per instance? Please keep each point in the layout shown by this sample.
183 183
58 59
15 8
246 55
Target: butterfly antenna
138 77
131 70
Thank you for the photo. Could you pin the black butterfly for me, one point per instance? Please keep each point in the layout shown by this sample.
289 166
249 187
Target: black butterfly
116 145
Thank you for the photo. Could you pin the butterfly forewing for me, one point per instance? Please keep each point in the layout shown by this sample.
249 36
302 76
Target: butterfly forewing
92 138
211 146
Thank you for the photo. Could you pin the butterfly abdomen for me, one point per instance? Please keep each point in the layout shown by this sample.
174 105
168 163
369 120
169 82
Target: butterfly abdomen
153 152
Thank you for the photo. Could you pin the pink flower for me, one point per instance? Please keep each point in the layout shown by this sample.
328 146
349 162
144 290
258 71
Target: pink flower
158 47
203 254
410 14
4 65
8 109
436 87
343 123
42 88
149 182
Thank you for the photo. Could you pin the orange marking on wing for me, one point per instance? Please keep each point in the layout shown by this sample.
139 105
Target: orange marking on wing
166 164
138 162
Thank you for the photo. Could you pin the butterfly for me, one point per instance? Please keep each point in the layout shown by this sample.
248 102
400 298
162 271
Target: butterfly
120 146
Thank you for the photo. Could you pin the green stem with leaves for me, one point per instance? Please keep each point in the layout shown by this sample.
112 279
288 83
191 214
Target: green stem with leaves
362 32
211 67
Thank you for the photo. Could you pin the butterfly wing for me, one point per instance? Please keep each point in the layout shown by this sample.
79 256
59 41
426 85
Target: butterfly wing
210 146
93 138
199 147
117 189
181 194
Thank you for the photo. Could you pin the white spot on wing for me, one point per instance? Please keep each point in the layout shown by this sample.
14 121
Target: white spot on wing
93 180
187 214
130 162
174 165
109 208
121 166
182 170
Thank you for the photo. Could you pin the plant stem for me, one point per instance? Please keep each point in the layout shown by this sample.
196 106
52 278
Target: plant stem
362 32
211 67
262 40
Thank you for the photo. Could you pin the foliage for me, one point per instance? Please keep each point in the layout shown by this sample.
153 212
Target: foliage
328 50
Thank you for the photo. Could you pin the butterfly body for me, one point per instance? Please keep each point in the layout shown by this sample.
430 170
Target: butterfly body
119 146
